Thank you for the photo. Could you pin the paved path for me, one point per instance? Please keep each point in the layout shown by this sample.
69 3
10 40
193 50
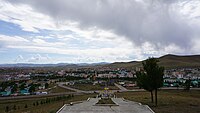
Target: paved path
82 91
69 88
120 87
90 107
126 106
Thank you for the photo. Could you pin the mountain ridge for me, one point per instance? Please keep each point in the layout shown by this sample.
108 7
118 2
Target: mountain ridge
52 65
168 61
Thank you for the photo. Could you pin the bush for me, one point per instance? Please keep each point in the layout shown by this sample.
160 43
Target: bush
14 107
26 106
7 109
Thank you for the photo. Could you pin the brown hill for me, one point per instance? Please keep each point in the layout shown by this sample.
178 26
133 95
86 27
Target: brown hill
168 61
174 61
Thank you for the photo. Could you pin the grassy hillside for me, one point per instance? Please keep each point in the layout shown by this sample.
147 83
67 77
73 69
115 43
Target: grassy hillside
173 61
129 65
168 61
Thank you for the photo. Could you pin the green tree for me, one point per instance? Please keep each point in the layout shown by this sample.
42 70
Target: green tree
144 82
32 88
4 85
46 85
7 109
187 84
14 107
41 102
152 77
14 88
26 106
22 86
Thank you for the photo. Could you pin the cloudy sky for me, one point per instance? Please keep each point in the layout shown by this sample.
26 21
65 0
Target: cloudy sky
77 31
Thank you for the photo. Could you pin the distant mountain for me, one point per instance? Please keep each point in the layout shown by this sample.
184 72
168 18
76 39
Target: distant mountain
36 65
52 65
168 61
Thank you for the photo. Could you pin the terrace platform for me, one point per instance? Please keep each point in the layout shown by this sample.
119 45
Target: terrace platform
122 106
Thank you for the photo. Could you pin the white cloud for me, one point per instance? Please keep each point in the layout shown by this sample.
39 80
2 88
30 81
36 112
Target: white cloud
19 58
13 39
33 58
25 16
132 19
37 58
107 54
196 46
40 42
111 30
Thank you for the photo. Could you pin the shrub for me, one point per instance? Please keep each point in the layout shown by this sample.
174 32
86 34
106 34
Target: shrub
14 107
26 106
7 109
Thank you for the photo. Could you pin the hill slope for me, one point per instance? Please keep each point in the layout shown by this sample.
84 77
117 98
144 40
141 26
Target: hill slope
168 61
174 61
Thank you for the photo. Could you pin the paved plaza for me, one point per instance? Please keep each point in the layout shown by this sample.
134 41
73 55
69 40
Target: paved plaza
122 106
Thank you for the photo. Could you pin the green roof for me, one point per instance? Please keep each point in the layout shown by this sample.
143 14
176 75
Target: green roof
5 93
24 91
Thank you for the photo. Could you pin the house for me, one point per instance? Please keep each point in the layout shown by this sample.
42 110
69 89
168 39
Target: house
24 92
121 83
41 87
5 93
41 93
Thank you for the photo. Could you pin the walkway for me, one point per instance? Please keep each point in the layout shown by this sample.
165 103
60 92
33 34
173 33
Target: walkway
69 88
120 87
90 107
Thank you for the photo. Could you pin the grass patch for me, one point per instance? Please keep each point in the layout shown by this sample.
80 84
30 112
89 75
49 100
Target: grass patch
54 88
91 87
58 89
131 88
105 101
169 101
39 105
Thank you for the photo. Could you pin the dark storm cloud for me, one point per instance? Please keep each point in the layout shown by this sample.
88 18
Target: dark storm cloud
153 21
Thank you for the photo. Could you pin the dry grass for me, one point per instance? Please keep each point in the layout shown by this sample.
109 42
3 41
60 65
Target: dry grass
90 87
131 88
168 61
169 101
51 107
58 89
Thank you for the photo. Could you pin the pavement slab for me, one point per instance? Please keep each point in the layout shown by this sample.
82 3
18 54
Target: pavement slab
90 107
